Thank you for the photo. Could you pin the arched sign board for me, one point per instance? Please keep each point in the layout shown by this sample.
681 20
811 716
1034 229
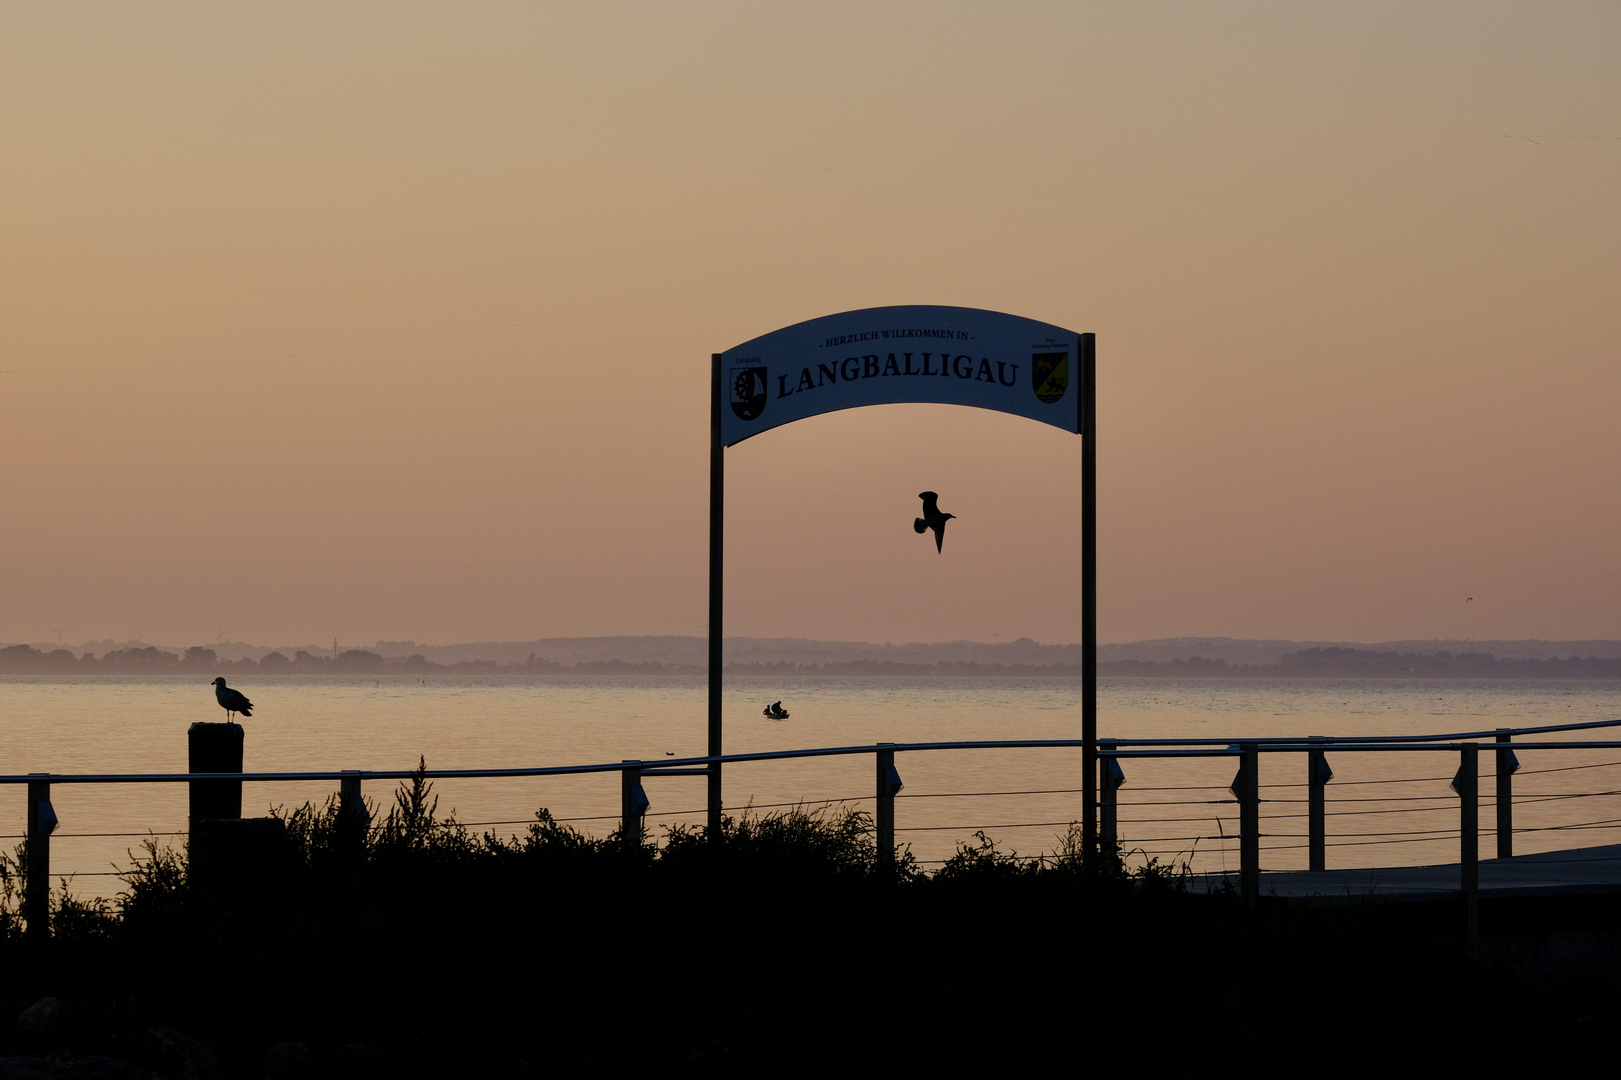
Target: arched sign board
882 356
891 355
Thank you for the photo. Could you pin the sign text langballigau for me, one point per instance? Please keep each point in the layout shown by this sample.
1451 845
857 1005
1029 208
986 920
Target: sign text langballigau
879 356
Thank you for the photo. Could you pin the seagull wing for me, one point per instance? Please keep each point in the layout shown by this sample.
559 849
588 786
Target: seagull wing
940 536
235 701
931 503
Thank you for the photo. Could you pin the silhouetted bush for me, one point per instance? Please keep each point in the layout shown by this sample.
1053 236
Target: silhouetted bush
415 946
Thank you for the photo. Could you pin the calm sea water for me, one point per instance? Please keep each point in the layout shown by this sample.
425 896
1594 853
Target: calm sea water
1386 809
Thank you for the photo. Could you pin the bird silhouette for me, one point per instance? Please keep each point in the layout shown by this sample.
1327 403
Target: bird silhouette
932 519
232 701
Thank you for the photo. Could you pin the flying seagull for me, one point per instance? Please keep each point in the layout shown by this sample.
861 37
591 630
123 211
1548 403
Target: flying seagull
232 701
932 519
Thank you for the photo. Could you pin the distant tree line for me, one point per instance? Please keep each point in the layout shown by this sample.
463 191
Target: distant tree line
1365 663
902 668
1340 663
1330 663
150 660
1318 663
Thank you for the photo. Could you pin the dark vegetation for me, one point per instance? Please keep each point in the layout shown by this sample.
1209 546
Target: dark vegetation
1333 663
1315 663
151 660
422 949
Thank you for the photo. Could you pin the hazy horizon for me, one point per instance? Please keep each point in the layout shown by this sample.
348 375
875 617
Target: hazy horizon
691 650
388 322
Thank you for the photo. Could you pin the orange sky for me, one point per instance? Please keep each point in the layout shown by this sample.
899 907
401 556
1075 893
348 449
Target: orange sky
394 320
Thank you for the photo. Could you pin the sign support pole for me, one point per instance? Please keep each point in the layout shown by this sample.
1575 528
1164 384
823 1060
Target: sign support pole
717 549
843 381
1089 588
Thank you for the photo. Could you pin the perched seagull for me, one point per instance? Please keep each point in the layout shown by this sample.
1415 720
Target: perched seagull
232 701
932 519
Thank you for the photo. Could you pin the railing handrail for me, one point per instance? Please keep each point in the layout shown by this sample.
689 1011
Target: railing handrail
1330 746
1314 741
1165 748
546 770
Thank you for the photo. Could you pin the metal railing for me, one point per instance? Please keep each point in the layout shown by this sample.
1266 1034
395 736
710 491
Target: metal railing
1245 791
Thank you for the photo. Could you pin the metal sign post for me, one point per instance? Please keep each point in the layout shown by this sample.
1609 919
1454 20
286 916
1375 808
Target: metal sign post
717 552
1089 589
876 356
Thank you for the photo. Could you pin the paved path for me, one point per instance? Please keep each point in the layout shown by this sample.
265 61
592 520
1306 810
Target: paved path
1552 873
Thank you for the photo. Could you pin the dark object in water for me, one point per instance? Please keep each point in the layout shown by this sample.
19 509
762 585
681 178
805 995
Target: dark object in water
932 519
775 711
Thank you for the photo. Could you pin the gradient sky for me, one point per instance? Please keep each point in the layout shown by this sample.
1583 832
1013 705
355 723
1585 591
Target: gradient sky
394 320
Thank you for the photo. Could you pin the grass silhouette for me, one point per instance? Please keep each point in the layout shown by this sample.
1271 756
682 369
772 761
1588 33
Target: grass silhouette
416 946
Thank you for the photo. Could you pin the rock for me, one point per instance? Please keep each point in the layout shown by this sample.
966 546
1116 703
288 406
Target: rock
43 1015
284 1059
181 1056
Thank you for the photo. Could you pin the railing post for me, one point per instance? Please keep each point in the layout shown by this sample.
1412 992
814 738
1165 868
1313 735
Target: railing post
1506 764
1108 806
37 887
352 816
1249 821
1316 810
884 813
1469 829
632 804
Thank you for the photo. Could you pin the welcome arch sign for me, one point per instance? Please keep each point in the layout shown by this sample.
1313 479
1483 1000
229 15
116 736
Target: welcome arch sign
907 354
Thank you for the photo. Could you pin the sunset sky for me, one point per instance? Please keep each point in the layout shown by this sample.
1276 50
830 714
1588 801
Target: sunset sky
394 320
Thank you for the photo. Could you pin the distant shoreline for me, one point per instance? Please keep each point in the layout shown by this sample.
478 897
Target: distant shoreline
1314 663
1022 659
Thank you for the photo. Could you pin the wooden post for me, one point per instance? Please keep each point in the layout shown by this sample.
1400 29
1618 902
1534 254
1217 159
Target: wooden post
1249 822
1316 810
1505 798
1108 805
1087 404
889 784
717 553
214 748
632 805
1469 831
37 886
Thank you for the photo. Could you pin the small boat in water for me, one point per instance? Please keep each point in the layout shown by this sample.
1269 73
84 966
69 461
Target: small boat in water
775 711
